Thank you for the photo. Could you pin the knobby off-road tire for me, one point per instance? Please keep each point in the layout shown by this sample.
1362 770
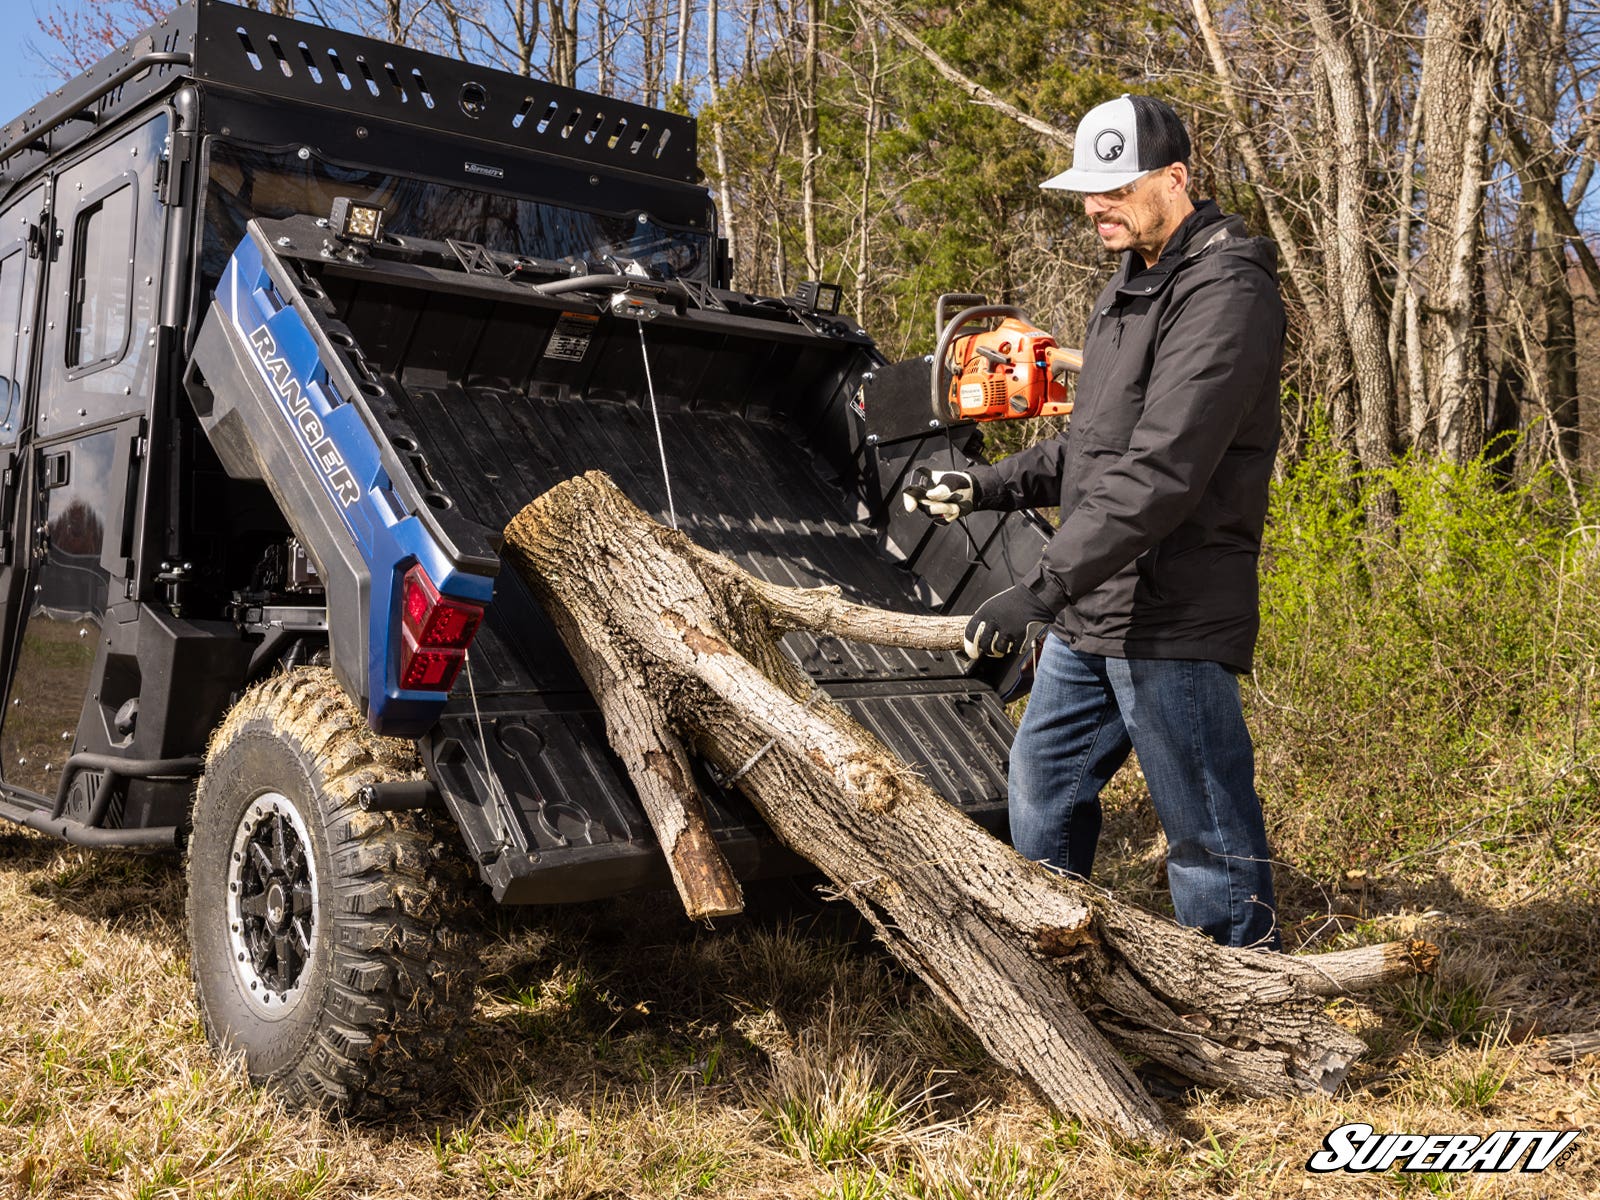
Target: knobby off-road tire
331 948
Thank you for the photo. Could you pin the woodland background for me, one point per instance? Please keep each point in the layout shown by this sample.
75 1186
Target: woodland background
1423 704
1424 166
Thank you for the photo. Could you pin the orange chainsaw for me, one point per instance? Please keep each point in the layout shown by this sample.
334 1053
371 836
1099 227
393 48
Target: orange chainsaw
1006 372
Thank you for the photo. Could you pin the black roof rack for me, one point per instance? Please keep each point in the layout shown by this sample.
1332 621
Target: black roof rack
296 60
147 65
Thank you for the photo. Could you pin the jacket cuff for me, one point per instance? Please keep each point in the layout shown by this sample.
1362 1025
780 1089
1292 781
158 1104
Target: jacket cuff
987 489
1047 588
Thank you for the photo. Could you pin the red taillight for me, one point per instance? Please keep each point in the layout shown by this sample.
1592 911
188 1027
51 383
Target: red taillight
436 631
430 670
437 621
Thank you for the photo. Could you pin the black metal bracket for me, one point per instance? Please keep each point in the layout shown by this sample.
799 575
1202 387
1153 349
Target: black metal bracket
402 795
116 770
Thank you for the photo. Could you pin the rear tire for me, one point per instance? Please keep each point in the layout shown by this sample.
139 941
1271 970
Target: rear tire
331 948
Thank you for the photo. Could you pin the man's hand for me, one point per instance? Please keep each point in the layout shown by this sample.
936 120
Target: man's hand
941 495
1005 620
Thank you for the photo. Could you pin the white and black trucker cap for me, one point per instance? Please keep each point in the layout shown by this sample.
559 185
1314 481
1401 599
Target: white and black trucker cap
1120 140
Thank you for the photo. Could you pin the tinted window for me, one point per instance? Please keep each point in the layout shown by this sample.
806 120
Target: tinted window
248 183
101 280
104 296
13 350
55 655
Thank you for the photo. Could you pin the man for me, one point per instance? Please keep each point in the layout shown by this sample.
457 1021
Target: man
1149 585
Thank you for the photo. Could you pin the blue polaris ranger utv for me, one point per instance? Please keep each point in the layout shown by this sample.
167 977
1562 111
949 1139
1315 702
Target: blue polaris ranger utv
291 323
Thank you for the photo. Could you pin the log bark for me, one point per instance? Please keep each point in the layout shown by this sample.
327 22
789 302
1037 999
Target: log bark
1572 1048
681 649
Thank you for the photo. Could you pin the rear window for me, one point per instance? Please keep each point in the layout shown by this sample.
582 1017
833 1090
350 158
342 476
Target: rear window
13 356
247 183
102 280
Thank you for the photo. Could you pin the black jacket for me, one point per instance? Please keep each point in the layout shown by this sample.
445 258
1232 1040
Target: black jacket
1162 474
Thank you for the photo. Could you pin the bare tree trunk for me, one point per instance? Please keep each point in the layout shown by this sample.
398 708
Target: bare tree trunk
680 66
1541 47
525 32
718 134
563 34
456 22
1300 274
809 152
604 48
1403 338
1458 65
750 11
771 210
681 649
652 41
869 134
1343 400
1348 245
1560 336
1329 333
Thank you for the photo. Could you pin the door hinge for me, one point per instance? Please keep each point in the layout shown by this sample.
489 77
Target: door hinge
172 173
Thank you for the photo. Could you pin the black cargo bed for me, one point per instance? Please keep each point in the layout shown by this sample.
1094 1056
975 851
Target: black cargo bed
746 488
771 463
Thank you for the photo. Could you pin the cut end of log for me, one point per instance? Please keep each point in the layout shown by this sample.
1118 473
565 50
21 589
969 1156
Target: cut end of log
1422 956
1329 1071
708 886
1343 971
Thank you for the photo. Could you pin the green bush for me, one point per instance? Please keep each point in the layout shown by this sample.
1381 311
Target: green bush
1428 680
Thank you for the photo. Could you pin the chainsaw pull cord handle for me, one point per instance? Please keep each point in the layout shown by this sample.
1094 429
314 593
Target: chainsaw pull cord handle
936 377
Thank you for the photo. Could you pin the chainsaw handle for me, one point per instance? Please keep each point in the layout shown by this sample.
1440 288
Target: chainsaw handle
950 302
1065 359
936 377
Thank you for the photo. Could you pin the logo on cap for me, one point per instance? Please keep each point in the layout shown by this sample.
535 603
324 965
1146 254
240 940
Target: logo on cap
1109 145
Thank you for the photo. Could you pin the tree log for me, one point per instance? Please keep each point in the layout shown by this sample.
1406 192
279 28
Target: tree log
681 649
1572 1048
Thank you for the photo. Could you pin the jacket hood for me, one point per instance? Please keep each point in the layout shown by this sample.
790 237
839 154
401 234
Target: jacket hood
1261 251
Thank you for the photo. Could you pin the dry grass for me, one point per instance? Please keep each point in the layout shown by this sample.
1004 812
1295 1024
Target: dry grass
620 1051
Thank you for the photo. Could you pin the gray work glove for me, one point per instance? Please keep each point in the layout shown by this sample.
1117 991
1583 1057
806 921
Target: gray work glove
941 495
1004 621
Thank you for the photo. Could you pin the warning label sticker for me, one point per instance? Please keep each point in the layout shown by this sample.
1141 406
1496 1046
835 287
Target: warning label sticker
570 338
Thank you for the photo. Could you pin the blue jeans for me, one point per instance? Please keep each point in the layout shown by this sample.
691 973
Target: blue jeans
1184 719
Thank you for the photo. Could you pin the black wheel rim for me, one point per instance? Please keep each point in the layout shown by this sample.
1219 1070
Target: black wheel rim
272 904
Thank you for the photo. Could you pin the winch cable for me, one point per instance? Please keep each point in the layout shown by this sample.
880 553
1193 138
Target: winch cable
499 812
655 415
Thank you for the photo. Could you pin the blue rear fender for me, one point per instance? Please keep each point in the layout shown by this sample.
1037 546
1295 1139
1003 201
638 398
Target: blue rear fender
340 451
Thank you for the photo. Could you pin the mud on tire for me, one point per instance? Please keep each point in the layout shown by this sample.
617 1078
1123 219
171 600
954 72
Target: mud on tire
331 948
